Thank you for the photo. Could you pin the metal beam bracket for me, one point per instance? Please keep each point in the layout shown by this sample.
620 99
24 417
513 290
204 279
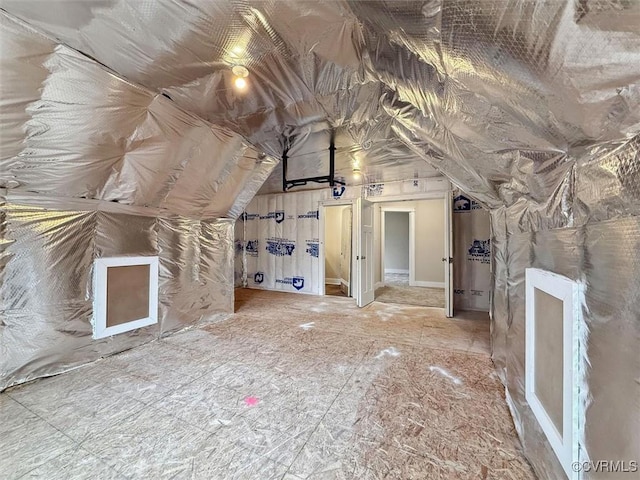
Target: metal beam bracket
298 182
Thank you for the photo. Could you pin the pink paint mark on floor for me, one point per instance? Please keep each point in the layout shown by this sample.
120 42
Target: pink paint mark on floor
251 401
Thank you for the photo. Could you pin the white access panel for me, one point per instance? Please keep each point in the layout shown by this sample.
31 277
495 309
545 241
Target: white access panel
552 328
123 300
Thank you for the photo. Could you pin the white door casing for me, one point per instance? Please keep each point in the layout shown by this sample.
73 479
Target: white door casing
412 240
322 206
345 251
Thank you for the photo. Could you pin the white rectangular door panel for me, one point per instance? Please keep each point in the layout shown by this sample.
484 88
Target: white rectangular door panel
364 226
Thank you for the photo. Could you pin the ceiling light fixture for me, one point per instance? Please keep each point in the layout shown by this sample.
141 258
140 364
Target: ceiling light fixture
241 73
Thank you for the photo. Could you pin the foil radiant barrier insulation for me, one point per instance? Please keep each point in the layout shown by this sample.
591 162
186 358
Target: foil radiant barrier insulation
600 249
75 129
532 108
49 245
93 166
239 262
501 95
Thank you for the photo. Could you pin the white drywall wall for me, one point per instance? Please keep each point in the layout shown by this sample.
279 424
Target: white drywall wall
429 239
333 241
396 241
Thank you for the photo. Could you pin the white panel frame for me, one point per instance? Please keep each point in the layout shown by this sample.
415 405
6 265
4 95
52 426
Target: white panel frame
100 329
569 292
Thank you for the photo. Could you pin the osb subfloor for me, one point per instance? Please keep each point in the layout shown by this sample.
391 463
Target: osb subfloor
293 386
420 296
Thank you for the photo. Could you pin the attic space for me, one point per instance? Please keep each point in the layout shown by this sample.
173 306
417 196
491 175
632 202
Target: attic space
291 239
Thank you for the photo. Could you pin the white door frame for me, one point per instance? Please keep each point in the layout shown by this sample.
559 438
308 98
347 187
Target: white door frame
321 253
412 240
448 255
448 235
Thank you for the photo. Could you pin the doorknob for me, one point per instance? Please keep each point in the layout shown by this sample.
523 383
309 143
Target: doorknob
444 259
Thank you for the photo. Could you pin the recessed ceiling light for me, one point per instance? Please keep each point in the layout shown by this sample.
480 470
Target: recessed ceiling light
240 71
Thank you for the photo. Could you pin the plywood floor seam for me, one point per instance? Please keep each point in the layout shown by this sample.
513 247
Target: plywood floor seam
290 387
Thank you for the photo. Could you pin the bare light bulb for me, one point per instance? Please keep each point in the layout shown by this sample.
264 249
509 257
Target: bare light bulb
240 83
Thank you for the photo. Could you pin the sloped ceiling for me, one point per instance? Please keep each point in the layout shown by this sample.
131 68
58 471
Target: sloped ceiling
485 92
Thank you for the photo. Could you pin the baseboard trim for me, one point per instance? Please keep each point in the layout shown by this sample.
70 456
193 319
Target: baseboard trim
378 285
420 283
332 281
396 270
346 285
297 292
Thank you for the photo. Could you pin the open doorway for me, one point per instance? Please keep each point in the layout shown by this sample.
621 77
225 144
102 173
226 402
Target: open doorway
412 247
337 250
397 250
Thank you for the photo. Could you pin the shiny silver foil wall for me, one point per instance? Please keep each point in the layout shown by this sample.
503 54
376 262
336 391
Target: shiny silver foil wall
532 107
94 166
599 246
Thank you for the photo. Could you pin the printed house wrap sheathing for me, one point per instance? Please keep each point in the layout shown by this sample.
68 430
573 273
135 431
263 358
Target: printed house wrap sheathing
471 254
124 136
277 238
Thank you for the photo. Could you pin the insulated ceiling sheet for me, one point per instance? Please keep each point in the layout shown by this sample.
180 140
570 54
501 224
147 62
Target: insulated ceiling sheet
485 91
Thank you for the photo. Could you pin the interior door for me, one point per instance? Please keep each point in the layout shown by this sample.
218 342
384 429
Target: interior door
364 255
345 252
448 256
